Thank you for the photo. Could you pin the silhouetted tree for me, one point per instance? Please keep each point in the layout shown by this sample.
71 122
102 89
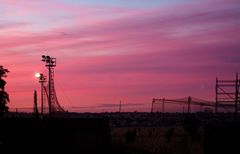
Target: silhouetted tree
4 98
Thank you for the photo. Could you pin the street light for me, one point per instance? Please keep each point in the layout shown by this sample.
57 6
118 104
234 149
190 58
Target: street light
41 79
49 63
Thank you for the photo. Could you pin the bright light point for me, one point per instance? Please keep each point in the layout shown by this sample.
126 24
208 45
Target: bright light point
37 75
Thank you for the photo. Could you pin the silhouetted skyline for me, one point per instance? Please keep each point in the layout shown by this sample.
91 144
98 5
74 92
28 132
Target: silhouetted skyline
119 50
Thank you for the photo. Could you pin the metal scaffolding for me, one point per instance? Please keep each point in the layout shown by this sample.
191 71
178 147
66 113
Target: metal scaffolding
227 95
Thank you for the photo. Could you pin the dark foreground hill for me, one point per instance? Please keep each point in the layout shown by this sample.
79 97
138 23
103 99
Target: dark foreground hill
121 133
72 135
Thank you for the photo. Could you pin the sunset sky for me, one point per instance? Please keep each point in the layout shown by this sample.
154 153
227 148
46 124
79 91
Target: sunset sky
112 50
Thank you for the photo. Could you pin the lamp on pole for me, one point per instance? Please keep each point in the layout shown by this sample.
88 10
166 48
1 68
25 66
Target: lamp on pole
41 79
49 63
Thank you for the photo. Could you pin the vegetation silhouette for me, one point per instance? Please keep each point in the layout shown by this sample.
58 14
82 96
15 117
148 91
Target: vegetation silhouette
4 97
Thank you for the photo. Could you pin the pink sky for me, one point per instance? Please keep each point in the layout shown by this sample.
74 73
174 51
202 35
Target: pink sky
107 53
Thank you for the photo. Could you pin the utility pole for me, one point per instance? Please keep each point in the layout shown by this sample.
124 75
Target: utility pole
120 106
236 93
216 90
35 108
163 105
163 110
153 101
189 102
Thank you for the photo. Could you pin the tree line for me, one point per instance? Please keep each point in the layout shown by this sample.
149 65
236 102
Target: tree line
4 97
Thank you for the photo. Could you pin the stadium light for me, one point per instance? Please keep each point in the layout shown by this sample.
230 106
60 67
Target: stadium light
41 79
37 75
49 63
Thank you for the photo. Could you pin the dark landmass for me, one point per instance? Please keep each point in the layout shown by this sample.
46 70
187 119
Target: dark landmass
120 133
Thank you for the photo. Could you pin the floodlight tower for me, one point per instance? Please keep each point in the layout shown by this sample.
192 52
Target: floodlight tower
50 63
42 79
